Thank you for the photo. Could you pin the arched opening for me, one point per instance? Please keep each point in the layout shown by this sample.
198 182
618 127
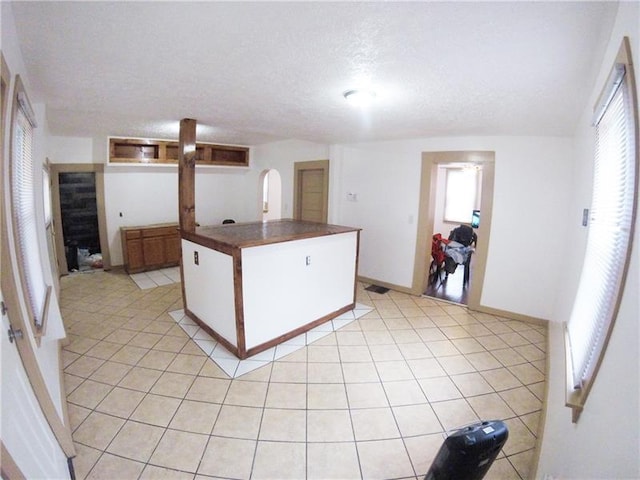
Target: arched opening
270 189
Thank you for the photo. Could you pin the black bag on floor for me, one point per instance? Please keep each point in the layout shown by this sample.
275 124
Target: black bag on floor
468 453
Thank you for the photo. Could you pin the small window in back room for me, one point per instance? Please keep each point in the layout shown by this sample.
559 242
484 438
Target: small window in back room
461 194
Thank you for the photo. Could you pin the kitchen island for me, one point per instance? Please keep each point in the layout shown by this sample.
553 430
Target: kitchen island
255 285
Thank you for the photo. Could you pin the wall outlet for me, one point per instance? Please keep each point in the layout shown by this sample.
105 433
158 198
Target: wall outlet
308 260
196 259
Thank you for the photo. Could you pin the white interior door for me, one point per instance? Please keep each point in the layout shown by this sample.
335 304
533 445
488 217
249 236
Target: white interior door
24 429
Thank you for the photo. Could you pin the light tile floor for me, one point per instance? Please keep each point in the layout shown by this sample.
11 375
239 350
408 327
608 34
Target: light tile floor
156 278
234 367
370 400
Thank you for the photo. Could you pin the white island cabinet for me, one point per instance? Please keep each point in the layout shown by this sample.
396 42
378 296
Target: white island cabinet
255 285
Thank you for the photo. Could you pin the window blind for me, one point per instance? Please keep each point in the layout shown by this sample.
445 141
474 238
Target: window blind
24 212
610 230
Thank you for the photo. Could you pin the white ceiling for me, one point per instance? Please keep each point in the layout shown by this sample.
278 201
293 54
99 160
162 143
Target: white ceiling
256 72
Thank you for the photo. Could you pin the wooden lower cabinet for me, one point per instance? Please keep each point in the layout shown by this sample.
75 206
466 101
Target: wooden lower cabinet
150 247
133 257
173 249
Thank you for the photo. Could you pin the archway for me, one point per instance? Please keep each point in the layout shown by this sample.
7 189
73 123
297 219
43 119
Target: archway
270 190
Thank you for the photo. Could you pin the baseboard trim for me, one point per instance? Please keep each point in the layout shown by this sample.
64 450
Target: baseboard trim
512 315
390 286
479 308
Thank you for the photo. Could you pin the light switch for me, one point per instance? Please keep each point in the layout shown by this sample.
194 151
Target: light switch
308 260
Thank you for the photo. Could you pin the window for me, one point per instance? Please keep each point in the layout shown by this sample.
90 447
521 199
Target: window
36 292
461 194
609 238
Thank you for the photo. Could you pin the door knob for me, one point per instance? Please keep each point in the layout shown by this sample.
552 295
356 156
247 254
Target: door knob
14 334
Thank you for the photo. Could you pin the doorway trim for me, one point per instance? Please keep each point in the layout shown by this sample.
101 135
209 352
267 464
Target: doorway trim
11 296
9 467
426 217
298 170
98 169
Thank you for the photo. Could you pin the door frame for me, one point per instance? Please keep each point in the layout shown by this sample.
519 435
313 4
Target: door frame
11 297
298 169
98 169
9 468
426 217
50 233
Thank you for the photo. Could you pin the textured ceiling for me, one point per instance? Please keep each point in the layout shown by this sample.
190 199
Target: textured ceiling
256 72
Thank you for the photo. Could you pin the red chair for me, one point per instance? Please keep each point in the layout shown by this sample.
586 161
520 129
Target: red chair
437 258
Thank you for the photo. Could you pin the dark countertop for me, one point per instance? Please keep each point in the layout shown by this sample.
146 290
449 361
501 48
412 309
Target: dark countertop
241 235
153 225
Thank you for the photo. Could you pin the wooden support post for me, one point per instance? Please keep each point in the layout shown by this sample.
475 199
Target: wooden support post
187 175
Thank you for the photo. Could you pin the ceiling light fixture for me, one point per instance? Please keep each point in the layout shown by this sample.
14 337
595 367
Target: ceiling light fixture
359 98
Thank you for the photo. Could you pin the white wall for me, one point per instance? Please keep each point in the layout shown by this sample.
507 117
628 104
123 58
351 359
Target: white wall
385 178
282 292
146 194
215 304
70 149
530 198
149 194
280 156
605 443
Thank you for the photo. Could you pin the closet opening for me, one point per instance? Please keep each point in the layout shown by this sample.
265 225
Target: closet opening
79 217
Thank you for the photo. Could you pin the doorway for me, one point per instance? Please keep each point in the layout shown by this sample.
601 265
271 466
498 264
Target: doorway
79 217
270 195
311 191
427 218
458 200
79 212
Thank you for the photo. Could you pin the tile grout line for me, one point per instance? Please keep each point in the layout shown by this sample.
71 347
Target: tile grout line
131 363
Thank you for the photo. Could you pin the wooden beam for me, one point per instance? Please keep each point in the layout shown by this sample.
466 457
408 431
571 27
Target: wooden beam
187 175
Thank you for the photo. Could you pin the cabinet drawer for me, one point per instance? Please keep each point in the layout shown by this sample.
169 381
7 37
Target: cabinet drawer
132 234
160 232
